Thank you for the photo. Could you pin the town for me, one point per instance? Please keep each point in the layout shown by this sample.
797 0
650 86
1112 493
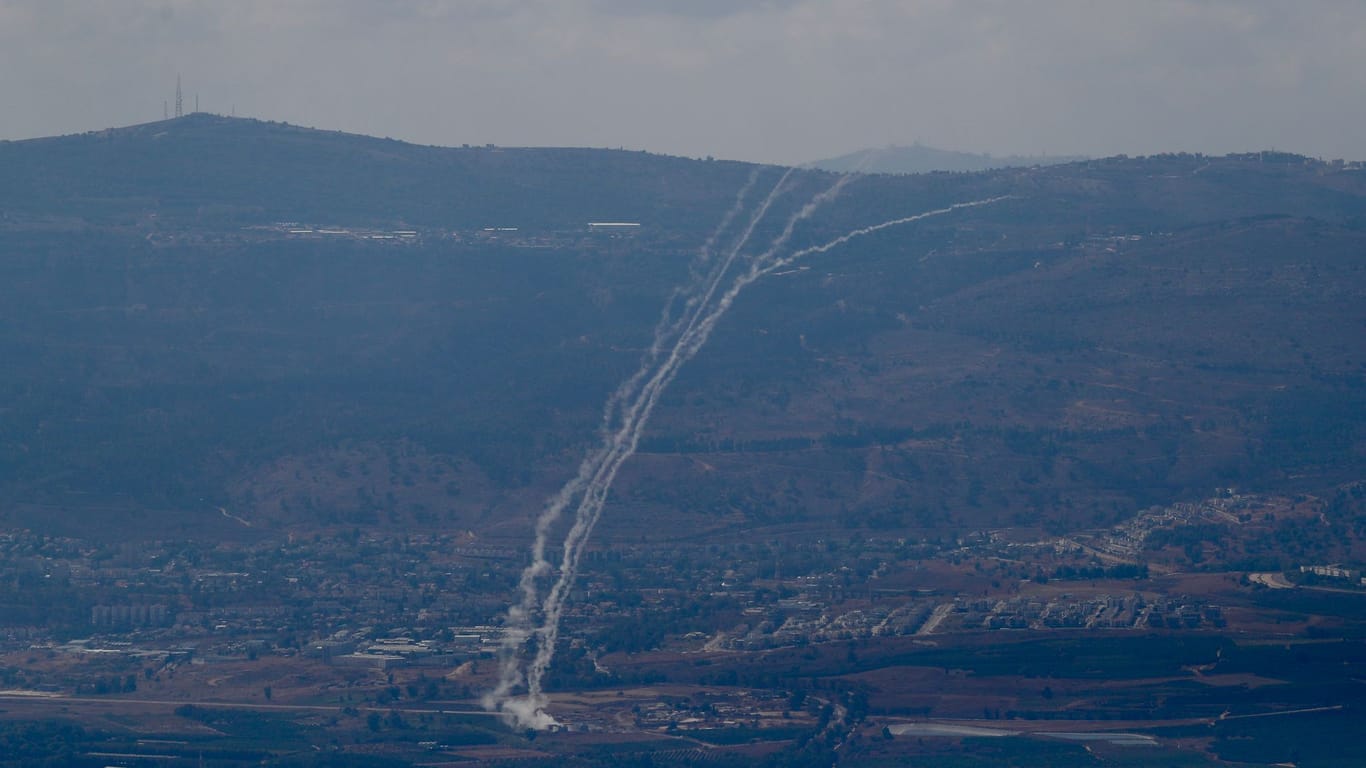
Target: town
433 603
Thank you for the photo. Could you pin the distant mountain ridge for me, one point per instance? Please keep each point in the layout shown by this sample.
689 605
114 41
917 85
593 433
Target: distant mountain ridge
919 158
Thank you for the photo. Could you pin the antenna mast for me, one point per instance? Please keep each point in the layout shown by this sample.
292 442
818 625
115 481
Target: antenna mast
179 106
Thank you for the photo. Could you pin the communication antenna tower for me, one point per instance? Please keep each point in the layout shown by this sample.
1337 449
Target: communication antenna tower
179 105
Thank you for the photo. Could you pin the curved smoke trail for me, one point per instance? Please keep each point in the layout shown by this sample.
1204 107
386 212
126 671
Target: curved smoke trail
618 447
633 402
627 437
518 629
668 325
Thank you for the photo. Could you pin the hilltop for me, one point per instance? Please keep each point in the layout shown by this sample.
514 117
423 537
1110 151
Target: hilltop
209 170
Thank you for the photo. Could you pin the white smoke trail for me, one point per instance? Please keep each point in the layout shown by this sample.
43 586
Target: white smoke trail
598 472
669 326
621 445
697 304
842 239
518 628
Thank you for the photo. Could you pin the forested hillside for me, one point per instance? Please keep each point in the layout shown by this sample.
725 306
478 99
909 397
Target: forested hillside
311 328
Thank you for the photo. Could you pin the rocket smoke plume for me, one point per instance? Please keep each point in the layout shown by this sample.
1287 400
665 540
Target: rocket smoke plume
521 616
532 624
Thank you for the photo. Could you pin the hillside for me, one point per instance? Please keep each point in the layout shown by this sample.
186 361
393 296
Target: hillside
317 329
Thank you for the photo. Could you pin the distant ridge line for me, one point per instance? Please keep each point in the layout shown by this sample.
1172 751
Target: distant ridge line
919 158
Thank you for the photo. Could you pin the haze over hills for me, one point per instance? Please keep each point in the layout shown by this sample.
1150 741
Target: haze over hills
1077 447
217 312
919 158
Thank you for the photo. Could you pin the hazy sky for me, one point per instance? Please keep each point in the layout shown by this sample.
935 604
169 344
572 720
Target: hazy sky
776 80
